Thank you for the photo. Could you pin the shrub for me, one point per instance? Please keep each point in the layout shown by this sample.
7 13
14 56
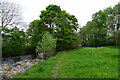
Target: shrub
47 45
13 42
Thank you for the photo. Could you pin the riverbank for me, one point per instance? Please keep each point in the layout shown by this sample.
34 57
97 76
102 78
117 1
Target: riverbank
10 67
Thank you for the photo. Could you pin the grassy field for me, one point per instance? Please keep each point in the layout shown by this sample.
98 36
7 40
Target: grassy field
83 62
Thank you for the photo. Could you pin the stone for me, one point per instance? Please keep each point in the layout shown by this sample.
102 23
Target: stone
11 69
40 55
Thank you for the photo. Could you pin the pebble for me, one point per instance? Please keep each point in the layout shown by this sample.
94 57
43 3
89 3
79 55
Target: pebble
11 70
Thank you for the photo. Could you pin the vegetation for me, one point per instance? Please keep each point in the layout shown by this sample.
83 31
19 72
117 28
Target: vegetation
13 42
56 33
59 23
84 62
13 39
102 30
47 46
10 14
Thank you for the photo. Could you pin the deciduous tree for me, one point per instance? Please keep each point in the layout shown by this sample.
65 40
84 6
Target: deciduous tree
59 23
13 42
10 14
47 45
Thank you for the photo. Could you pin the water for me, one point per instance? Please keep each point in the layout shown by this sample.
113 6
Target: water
10 60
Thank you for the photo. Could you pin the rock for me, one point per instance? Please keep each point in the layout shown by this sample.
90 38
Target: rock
40 55
11 69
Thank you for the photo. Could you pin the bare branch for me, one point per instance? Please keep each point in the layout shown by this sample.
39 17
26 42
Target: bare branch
11 14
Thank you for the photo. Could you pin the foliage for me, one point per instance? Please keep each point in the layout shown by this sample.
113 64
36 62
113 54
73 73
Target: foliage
59 23
101 30
84 62
13 42
77 42
34 35
13 39
47 46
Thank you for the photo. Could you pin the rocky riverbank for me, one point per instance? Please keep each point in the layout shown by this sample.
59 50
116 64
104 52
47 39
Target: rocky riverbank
14 66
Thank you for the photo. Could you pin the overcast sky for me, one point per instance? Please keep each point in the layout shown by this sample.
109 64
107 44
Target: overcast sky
82 9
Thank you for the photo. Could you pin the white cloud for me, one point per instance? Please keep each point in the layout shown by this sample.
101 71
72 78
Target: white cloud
82 9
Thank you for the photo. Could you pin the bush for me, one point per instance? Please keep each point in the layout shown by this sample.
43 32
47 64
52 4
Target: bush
47 46
13 42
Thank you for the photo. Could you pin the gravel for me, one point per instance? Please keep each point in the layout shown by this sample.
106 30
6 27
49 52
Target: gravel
10 68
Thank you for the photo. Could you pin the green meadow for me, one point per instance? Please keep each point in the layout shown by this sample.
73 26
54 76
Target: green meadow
83 62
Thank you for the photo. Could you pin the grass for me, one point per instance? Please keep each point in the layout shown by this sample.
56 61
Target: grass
83 62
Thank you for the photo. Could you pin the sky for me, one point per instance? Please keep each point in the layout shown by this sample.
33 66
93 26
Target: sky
82 9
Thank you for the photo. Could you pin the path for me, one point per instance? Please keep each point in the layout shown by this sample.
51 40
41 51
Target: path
56 68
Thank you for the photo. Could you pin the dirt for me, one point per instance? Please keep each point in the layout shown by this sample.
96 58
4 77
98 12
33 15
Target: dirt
57 67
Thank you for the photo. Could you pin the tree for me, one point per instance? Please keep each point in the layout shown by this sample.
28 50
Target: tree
13 39
10 15
59 23
62 25
77 42
47 46
35 33
13 42
102 29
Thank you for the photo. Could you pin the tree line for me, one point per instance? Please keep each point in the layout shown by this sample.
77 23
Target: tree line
56 30
103 29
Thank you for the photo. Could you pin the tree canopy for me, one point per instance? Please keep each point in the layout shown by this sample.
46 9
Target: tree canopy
13 42
59 23
61 28
102 30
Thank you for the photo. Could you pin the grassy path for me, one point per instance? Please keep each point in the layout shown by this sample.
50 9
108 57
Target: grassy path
56 68
84 62
46 69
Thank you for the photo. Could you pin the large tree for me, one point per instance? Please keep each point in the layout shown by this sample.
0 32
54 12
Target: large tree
59 23
10 14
